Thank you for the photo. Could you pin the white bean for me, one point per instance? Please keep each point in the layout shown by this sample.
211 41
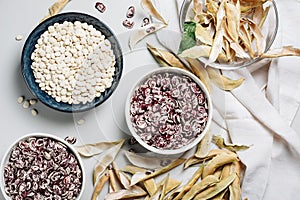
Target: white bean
68 61
21 99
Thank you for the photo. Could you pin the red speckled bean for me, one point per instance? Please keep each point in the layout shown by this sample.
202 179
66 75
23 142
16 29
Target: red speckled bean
130 12
100 7
128 24
168 110
145 21
42 168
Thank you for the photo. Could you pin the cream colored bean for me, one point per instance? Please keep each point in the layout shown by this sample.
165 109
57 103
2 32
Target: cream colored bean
69 62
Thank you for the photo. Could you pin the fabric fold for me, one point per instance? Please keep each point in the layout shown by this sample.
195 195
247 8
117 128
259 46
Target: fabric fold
255 101
257 158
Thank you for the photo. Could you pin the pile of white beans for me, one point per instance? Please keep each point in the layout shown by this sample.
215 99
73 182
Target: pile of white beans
73 62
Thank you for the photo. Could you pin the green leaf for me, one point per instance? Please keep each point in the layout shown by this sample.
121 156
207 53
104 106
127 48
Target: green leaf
188 38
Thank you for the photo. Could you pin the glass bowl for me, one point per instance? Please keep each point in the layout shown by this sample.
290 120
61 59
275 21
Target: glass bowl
168 115
269 31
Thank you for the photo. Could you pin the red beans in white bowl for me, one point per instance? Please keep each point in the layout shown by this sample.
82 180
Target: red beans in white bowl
168 111
42 166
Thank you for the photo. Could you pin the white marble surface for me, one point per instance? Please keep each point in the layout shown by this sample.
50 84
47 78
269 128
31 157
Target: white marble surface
102 123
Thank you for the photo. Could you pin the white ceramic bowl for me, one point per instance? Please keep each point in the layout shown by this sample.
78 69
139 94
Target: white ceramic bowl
41 135
175 150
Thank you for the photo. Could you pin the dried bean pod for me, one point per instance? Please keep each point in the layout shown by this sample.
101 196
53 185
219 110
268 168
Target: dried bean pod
99 185
162 170
190 183
200 186
218 161
217 188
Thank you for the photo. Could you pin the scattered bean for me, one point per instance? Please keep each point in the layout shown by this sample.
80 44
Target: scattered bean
21 99
81 122
70 139
100 7
34 112
19 37
130 12
128 24
148 172
132 150
151 29
33 101
26 104
145 22
132 141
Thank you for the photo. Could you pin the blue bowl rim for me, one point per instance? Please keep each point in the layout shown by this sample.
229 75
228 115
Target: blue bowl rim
39 94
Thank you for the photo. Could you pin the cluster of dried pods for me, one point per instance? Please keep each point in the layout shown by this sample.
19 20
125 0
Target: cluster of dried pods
221 30
229 31
207 74
217 173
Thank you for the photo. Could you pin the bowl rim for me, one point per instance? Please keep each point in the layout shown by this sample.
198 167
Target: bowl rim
40 134
197 139
182 16
73 108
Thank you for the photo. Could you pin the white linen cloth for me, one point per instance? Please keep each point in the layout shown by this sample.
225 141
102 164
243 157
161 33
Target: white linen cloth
260 111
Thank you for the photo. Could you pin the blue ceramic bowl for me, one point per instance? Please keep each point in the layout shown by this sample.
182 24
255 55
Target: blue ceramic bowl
30 46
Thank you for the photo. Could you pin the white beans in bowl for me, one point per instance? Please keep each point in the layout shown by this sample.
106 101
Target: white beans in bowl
73 62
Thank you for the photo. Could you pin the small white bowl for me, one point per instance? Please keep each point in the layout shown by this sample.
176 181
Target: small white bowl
189 145
40 135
